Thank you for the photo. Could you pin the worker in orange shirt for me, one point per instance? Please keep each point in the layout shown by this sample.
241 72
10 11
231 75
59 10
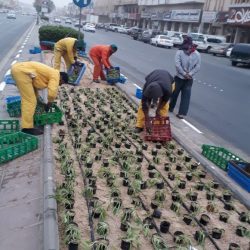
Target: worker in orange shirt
100 56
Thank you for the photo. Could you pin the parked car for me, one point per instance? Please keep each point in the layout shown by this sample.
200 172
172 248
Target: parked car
89 27
132 29
229 51
136 33
147 35
78 24
112 27
11 15
220 49
68 21
240 54
57 20
177 38
122 29
162 41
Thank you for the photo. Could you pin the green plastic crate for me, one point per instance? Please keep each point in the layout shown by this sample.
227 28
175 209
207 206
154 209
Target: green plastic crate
14 105
54 115
219 156
15 145
9 126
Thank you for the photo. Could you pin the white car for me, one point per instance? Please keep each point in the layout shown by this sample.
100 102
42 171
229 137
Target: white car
229 51
162 40
11 15
177 39
123 30
68 21
57 20
89 27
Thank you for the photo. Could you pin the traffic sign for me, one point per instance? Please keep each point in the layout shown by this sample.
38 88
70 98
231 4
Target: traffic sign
82 3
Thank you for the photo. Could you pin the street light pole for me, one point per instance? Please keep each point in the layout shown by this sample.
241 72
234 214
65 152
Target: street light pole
80 20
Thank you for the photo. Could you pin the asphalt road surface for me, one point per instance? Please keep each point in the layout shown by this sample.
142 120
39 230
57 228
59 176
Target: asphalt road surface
12 30
220 99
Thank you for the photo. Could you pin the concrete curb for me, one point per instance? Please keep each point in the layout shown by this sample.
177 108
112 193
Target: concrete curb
218 174
51 236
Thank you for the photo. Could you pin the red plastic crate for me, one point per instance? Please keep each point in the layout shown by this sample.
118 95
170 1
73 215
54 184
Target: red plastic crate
160 130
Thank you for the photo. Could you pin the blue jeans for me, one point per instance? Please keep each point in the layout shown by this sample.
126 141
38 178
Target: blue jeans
184 86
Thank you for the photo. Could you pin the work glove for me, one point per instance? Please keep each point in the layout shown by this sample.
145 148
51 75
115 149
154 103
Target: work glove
47 107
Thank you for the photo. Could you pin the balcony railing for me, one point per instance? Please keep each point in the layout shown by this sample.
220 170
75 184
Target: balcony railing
162 2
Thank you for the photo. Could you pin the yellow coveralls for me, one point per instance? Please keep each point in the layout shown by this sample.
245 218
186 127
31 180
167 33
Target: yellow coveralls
140 119
64 48
31 77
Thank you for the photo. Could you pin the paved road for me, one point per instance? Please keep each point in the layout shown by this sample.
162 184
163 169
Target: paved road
220 96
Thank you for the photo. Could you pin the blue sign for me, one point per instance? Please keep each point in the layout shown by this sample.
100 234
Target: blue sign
82 3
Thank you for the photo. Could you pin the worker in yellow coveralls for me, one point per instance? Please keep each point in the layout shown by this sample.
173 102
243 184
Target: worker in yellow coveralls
31 77
156 93
67 48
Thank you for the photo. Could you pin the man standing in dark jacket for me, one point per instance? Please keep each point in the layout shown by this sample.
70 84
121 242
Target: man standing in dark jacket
156 91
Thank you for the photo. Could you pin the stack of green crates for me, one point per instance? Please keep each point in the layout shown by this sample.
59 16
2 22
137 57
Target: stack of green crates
41 118
219 156
15 145
9 126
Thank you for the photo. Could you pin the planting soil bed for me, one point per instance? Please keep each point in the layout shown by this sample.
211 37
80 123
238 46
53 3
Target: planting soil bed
118 187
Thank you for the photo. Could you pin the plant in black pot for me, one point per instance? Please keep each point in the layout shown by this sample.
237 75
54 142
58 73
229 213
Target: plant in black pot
158 242
102 229
72 236
244 217
212 207
176 206
200 237
68 216
99 212
131 239
181 239
99 244
227 195
217 233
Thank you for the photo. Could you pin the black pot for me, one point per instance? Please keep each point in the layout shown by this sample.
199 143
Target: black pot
92 181
193 206
73 246
96 215
125 245
138 152
243 217
105 162
215 185
157 214
93 201
122 174
171 176
70 205
149 221
93 145
193 196
182 184
164 226
128 145
234 246
125 182
223 217
216 233
151 166
130 191
176 234
154 205
204 220
228 206
158 145
124 226
151 174
202 174
178 167
115 194
210 195
144 146
166 167
240 231
176 196
160 185
200 186
139 159
180 151
117 145
189 176
144 185
187 219
172 159
194 166
110 182
188 158
154 152
198 235
227 197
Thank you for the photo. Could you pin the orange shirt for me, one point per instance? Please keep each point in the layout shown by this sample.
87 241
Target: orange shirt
102 52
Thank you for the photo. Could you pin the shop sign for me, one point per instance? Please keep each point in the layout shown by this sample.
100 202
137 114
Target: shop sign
132 16
191 16
208 16
145 15
154 16
167 16
239 15
221 17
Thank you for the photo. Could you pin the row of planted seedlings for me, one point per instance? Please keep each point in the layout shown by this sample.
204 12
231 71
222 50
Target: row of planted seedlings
125 213
113 119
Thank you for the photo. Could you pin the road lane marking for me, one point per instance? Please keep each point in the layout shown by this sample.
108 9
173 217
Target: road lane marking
2 86
17 56
20 51
221 90
22 47
192 126
137 86
14 62
7 72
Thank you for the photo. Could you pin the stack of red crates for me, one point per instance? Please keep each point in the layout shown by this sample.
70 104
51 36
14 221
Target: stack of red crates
160 130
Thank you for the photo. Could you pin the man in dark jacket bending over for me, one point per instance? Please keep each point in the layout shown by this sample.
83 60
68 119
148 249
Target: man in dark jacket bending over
156 91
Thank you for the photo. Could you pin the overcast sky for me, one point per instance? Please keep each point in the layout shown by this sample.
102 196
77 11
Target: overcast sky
58 3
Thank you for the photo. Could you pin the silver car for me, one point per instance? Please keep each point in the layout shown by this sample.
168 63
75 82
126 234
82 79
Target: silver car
220 49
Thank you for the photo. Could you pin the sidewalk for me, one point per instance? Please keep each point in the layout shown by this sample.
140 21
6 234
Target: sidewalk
21 182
